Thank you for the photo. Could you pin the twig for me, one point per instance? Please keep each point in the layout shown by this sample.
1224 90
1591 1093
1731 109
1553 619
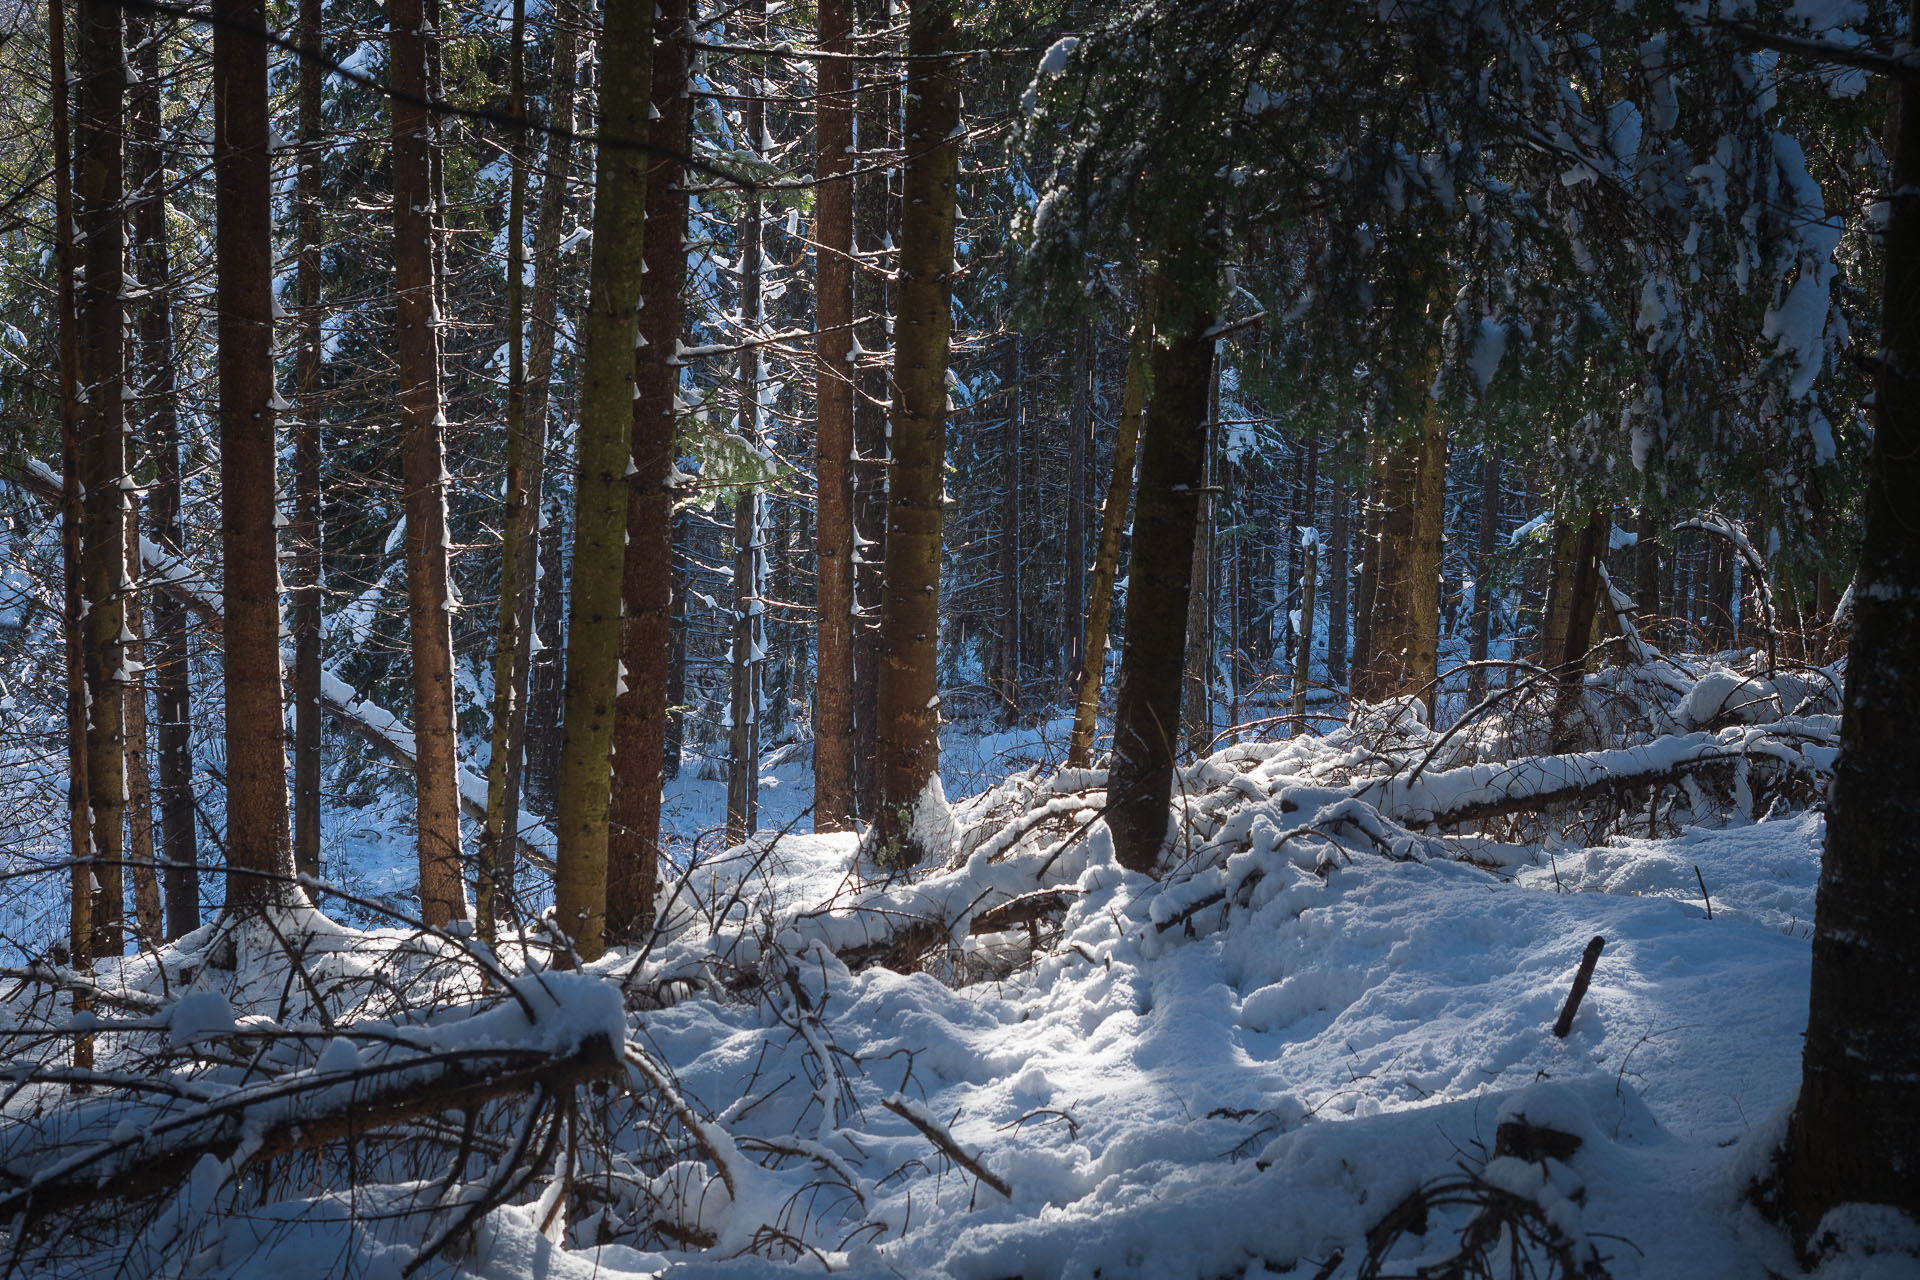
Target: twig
1580 981
1703 889
952 1149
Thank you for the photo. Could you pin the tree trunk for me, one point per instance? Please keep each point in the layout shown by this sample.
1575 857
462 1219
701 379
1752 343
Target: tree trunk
1303 654
677 646
1481 640
1011 440
1647 576
600 493
640 714
1856 1125
1581 589
1337 569
876 212
1196 703
161 433
1173 464
307 637
103 467
1073 598
423 451
1405 626
72 603
908 706
1113 524
746 655
1361 666
1560 575
833 771
259 853
150 927
1719 604
532 757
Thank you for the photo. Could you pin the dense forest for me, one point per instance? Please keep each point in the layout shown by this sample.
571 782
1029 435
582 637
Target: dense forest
1182 638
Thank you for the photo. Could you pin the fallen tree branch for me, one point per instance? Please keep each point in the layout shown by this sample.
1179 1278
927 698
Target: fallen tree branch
945 1141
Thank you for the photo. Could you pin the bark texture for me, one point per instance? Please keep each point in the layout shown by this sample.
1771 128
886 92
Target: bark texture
1146 718
305 587
833 768
258 841
423 453
600 489
640 714
1489 533
908 698
1855 1132
1404 634
1113 523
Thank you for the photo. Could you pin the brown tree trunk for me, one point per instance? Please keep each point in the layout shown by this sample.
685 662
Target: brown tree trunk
259 853
494 850
307 636
1856 1125
1405 626
150 926
72 604
161 432
103 465
747 650
1173 464
1581 589
640 714
1073 597
1339 536
1196 703
1362 666
600 490
1481 640
532 757
1647 577
833 771
1113 523
423 450
908 705
876 213
1008 660
1303 653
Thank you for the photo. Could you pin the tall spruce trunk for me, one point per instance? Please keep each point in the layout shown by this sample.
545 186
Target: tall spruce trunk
1582 593
72 602
747 646
646 586
1196 703
833 769
1647 576
1173 464
1404 637
908 703
103 450
1073 596
534 727
600 490
1303 652
150 926
1856 1125
1339 535
1007 660
1482 624
167 653
1361 666
259 852
423 469
495 852
307 638
1113 523
876 217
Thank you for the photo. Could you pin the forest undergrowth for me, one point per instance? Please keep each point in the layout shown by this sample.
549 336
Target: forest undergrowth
1017 1058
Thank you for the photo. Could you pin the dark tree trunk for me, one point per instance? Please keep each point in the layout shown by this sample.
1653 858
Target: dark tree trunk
748 643
833 770
1482 637
103 466
908 704
1337 571
1196 702
600 489
876 214
539 673
1113 523
1404 636
305 529
1856 1127
1582 591
1073 597
168 653
1647 575
1173 464
423 452
640 713
1361 666
1719 604
259 844
1007 663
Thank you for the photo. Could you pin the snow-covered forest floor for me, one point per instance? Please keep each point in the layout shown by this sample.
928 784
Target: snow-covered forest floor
1292 1054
